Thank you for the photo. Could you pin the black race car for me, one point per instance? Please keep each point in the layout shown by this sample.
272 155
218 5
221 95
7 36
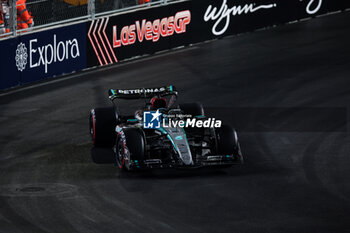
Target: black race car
162 134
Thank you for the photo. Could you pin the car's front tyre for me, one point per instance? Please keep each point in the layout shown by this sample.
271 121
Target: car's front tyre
227 142
130 148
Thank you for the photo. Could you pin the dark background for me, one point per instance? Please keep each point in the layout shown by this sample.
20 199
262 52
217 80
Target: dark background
296 172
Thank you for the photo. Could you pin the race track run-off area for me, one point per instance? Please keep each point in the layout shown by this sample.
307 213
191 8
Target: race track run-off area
286 91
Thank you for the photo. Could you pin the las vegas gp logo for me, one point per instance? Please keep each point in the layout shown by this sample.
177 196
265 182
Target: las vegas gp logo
44 55
152 119
137 32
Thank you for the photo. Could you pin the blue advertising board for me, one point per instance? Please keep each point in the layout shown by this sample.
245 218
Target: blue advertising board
51 53
9 76
36 56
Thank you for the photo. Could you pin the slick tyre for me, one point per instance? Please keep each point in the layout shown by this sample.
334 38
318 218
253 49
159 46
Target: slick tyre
102 127
194 109
130 154
227 140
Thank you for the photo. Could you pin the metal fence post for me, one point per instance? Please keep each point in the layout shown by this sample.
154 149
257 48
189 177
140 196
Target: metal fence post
13 17
91 9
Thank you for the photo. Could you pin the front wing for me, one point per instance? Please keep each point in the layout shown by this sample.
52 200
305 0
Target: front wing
203 161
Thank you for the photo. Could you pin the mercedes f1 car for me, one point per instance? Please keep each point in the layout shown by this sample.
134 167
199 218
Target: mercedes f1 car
162 134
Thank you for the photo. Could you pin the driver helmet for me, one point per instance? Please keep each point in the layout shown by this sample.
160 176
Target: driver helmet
157 102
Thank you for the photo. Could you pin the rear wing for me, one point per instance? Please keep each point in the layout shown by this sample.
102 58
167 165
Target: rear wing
141 93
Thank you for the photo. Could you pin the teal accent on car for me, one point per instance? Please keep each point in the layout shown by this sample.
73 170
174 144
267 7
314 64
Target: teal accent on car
132 120
178 138
172 142
161 129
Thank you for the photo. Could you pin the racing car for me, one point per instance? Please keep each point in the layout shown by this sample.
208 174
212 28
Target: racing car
162 133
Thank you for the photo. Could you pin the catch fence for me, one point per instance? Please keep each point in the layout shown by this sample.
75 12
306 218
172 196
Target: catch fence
48 13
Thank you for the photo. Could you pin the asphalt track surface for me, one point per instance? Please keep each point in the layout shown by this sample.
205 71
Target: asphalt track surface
292 85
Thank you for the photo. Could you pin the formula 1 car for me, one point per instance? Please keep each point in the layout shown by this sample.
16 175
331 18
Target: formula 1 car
162 134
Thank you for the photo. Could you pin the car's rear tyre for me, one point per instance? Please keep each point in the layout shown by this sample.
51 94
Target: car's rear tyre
193 109
102 127
133 151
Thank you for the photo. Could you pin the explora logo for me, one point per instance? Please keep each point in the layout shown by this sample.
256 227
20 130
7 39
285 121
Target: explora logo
46 54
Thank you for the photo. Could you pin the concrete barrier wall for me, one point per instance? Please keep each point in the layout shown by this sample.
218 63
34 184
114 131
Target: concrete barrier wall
109 40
